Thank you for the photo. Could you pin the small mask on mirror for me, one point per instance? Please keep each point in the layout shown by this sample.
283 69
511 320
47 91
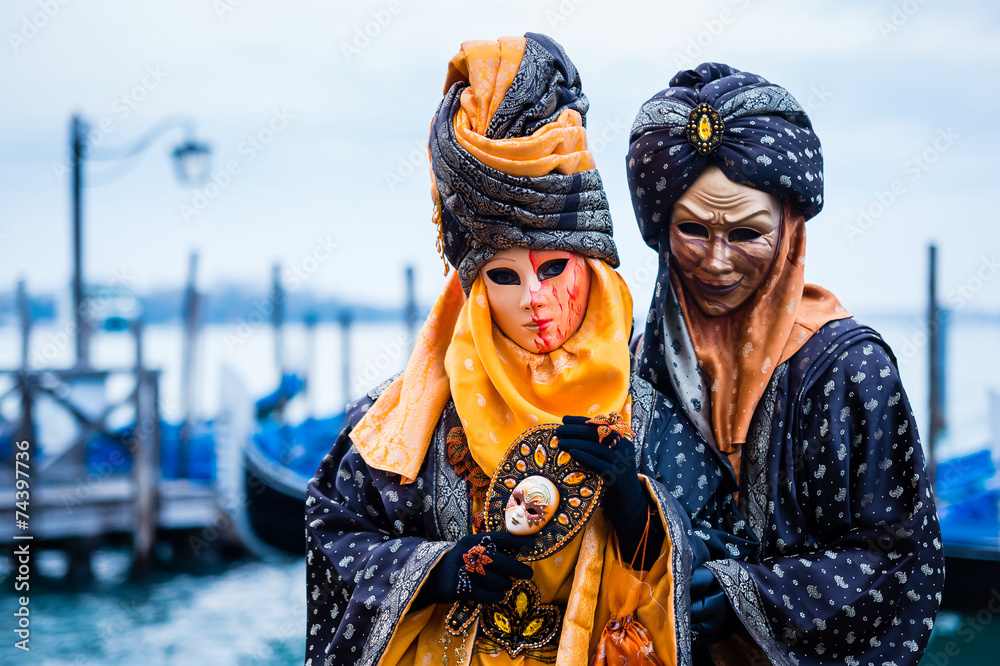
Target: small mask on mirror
531 505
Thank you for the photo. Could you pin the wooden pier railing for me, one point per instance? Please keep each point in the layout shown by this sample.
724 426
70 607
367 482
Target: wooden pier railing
71 504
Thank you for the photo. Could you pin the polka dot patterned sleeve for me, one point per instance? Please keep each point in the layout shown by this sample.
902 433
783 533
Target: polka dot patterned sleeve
851 566
365 555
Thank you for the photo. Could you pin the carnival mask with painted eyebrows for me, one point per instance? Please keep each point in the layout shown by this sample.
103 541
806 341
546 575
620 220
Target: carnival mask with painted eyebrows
531 505
538 298
723 239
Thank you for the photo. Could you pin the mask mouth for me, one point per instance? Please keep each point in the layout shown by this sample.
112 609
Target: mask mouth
718 290
541 324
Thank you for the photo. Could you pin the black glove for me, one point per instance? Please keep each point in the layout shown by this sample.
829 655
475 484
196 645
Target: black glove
625 502
442 583
712 618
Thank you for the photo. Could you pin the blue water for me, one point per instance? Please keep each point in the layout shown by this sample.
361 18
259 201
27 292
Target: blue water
965 639
250 614
253 613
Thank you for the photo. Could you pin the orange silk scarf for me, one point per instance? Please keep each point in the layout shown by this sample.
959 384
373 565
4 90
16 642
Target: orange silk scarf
739 351
395 433
501 389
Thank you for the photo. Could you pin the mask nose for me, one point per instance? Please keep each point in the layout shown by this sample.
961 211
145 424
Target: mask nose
530 294
717 260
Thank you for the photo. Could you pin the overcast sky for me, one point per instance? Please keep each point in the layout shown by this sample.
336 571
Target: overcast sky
321 113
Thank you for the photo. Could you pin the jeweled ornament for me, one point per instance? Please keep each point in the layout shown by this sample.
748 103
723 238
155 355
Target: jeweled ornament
704 128
520 620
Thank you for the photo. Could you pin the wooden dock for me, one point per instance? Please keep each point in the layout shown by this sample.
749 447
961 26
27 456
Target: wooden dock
105 507
76 508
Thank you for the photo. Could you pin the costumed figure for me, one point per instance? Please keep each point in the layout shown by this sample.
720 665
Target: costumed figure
780 422
455 520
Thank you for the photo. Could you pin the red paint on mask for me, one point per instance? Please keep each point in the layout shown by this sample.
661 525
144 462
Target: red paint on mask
558 304
538 312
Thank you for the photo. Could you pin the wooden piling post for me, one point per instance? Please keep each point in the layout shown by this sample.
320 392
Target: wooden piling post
937 320
345 341
145 465
78 153
24 314
410 311
310 362
80 563
187 365
26 425
278 318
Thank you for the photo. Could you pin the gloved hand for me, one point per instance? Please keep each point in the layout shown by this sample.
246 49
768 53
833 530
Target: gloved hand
442 584
625 502
712 618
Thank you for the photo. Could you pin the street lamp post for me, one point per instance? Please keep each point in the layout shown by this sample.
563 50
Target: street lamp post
191 159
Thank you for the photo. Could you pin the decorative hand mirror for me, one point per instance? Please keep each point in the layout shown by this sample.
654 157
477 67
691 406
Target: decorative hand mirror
540 490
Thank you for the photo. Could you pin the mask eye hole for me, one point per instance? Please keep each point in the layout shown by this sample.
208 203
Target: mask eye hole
693 229
743 234
503 276
551 269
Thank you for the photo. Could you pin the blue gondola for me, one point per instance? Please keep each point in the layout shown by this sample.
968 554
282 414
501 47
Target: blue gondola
110 453
278 461
968 491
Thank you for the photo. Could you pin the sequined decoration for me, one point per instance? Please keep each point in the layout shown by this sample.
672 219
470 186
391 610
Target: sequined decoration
520 621
475 562
477 558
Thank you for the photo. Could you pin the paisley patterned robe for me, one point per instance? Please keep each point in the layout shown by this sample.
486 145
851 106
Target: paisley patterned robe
833 554
371 540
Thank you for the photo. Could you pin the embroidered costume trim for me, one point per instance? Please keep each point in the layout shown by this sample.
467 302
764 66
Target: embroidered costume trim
465 466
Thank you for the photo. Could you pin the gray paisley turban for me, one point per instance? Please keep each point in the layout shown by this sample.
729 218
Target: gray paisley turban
484 210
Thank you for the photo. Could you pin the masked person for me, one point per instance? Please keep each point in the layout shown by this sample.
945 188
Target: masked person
532 326
792 444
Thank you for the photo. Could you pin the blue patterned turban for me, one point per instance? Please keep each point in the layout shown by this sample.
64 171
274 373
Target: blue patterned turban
752 129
